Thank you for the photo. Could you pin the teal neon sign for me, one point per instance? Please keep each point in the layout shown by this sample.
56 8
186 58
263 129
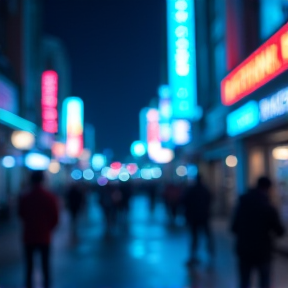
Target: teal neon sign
243 119
182 58
17 122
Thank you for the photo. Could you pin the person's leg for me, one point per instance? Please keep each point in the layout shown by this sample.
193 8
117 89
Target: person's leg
245 271
195 240
264 270
209 238
29 251
45 261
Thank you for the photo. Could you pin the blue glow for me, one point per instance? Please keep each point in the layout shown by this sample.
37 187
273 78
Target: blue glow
165 109
243 119
98 161
146 174
164 92
73 114
88 174
272 16
192 171
17 122
182 58
36 161
8 162
76 174
156 172
124 176
274 106
138 148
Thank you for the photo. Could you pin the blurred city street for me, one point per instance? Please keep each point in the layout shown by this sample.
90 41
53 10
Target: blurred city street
143 252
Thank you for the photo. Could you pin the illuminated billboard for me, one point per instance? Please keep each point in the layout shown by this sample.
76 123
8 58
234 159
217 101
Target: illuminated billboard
73 121
182 58
267 62
49 101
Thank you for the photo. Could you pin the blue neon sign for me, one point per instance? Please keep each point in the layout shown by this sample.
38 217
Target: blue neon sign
243 119
182 58
274 106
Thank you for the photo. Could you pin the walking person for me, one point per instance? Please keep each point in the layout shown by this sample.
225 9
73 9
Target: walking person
255 224
38 211
75 202
197 204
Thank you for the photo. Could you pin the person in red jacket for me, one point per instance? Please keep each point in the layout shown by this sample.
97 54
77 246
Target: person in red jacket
38 211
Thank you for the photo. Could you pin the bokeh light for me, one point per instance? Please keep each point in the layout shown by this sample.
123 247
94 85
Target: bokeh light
146 174
88 174
22 140
98 161
156 172
36 161
102 181
54 167
138 149
8 162
124 176
231 161
181 171
76 174
280 153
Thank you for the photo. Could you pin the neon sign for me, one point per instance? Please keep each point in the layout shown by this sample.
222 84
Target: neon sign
274 106
243 119
49 101
182 57
73 111
181 130
155 151
267 62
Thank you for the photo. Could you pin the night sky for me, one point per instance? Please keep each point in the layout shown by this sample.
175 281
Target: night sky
115 50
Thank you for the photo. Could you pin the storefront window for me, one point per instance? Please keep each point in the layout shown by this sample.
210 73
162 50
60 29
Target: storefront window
280 167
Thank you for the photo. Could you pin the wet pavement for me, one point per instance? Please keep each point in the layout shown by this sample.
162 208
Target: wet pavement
144 251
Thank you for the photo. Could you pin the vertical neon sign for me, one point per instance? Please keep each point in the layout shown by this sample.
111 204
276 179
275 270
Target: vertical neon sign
49 101
182 57
73 115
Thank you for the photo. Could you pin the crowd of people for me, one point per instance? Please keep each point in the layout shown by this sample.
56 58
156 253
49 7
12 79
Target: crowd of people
255 223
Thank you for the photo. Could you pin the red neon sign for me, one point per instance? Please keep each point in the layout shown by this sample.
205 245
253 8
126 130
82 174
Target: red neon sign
267 62
49 101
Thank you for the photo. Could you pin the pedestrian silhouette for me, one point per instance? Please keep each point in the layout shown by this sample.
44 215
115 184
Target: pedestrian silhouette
197 204
38 211
255 223
172 197
75 201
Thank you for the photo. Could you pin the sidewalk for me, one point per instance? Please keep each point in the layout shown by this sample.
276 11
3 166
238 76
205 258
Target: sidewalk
144 253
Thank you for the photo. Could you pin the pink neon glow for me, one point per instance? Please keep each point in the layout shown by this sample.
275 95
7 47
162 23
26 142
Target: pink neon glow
74 146
132 168
116 165
155 151
49 101
152 115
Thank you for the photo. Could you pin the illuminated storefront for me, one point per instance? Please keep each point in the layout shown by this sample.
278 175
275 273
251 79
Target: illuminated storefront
258 127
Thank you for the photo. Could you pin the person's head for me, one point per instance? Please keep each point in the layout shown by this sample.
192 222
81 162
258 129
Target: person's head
264 183
37 177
